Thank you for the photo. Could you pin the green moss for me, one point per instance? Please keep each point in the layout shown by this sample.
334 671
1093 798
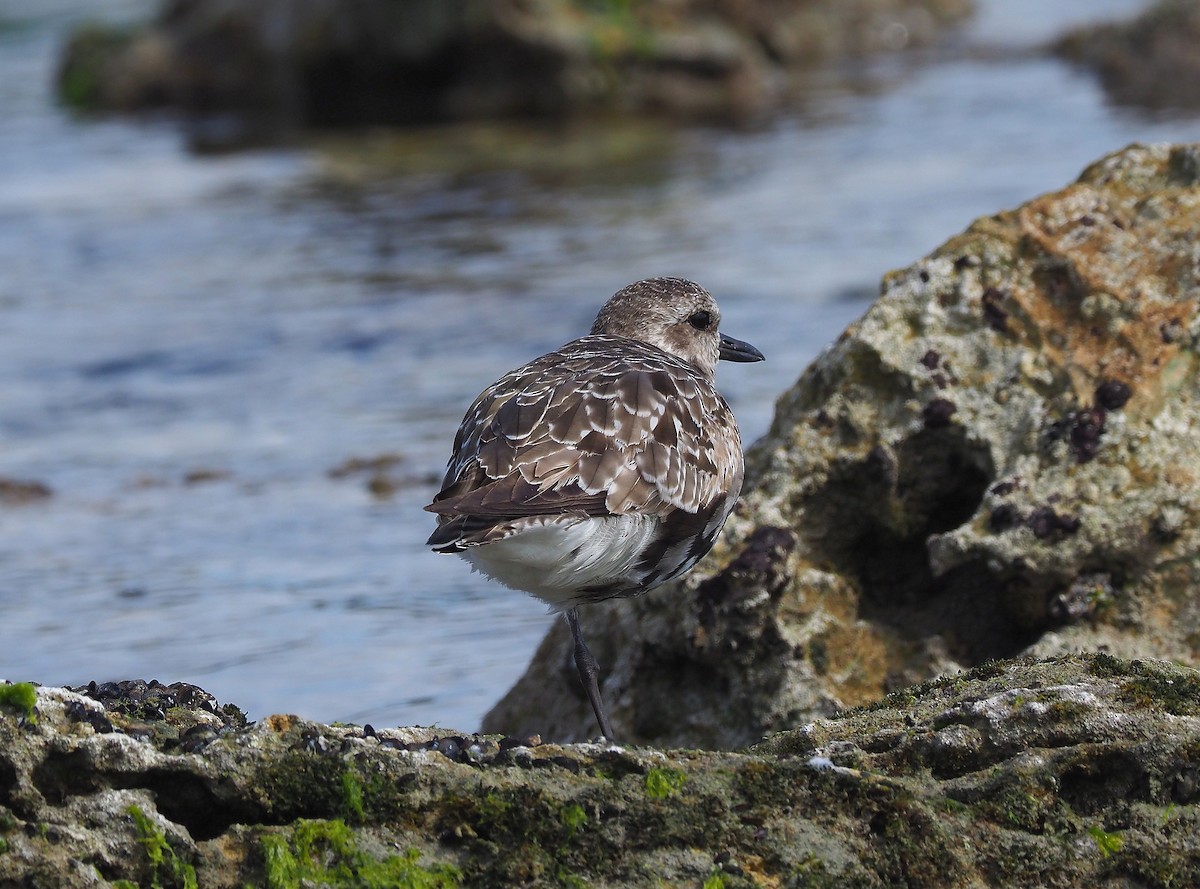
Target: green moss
493 809
352 788
301 785
20 696
568 880
662 783
522 836
952 806
311 838
715 880
1068 711
164 863
908 698
3 845
1177 691
1015 807
1107 665
813 874
281 867
912 843
327 853
758 781
1107 843
574 817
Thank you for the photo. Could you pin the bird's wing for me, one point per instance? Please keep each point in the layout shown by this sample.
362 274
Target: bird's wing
593 430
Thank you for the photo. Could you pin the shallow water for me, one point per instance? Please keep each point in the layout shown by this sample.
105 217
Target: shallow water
189 344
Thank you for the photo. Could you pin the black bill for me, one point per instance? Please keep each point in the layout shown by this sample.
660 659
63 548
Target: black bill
736 350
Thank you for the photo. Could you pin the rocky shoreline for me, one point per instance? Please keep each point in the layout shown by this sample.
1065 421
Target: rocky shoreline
990 472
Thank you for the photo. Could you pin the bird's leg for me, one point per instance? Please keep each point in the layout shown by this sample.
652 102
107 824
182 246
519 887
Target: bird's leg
589 670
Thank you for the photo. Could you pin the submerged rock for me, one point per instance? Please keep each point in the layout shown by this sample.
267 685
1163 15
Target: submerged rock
348 62
998 458
1084 767
1150 62
17 492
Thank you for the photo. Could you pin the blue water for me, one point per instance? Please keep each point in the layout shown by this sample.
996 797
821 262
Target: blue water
260 318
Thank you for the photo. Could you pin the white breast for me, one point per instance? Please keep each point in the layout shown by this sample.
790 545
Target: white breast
557 559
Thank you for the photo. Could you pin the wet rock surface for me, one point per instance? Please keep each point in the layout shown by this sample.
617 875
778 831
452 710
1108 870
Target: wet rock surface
348 62
1149 62
1084 767
998 459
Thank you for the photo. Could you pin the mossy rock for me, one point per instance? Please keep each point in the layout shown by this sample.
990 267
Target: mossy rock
1086 767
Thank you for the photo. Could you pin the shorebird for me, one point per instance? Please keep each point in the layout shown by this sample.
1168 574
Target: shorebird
602 469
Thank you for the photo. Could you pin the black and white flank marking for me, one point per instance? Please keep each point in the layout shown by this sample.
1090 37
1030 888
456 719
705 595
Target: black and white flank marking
602 469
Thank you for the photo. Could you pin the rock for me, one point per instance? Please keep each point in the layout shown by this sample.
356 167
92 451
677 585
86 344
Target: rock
997 459
381 480
1085 767
17 492
118 69
349 62
1149 62
205 475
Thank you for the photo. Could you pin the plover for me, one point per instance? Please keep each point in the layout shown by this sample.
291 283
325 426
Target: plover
602 469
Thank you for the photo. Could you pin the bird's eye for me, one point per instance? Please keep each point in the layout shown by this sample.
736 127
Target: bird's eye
700 320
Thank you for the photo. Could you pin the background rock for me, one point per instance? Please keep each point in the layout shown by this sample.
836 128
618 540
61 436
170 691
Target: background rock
998 458
346 62
1150 62
1086 768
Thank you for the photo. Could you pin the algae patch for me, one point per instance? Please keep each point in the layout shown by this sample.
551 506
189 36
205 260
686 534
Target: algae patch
1107 843
574 817
1175 689
663 783
327 853
352 788
20 696
163 860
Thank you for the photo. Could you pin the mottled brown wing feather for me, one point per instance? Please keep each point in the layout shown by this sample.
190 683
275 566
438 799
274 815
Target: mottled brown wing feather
512 496
606 425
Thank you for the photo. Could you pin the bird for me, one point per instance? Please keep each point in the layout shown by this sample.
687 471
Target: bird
602 469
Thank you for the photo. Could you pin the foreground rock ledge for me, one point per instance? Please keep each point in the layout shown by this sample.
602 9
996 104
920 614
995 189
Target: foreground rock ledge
1086 768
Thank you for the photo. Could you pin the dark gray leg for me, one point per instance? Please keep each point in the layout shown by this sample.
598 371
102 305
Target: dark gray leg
589 670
